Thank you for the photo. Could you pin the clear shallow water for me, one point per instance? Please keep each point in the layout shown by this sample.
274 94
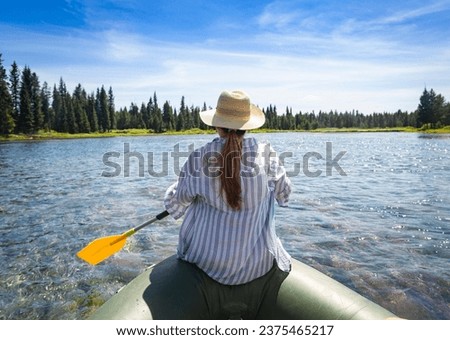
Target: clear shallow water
383 229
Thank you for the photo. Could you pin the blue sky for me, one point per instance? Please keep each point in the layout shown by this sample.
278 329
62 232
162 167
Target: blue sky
371 56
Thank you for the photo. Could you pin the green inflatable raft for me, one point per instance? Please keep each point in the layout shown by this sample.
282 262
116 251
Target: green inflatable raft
305 294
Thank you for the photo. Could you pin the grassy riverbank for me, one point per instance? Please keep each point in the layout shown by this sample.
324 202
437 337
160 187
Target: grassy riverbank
443 130
44 135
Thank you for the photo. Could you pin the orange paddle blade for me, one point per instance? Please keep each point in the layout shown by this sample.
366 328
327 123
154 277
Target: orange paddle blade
102 248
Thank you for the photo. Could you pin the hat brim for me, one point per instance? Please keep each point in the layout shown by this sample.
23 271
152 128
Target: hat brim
255 120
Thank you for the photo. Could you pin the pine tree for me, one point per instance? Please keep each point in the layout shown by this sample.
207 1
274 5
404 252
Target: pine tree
446 118
47 112
438 111
112 110
36 105
72 124
168 117
123 119
290 121
195 116
136 121
186 119
62 107
79 103
14 80
145 113
181 122
81 119
92 113
6 104
104 121
425 108
26 115
57 109
155 100
175 118
202 125
156 122
272 119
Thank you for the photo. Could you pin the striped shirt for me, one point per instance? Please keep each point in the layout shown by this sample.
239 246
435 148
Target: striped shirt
231 246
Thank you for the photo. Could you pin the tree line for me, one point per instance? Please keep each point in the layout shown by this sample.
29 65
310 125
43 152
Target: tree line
27 107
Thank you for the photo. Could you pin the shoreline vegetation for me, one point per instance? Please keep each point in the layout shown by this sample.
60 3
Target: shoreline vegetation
49 135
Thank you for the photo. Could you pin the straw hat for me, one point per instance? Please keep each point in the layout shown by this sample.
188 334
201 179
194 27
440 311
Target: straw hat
234 111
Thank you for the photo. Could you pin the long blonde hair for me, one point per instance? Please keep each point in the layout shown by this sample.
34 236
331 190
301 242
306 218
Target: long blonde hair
230 178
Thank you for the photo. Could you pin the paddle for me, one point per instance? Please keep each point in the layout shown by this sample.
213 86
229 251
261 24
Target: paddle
103 247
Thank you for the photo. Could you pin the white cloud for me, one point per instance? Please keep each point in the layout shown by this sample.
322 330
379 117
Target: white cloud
276 15
123 47
404 15
339 68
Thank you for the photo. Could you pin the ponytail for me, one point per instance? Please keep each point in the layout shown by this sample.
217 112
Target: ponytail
230 178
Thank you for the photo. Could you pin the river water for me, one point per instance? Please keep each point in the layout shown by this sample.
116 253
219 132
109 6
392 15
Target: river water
372 210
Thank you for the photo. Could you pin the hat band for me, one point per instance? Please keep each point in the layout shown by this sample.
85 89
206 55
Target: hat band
237 115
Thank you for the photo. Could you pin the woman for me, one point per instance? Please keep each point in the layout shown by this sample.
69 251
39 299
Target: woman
226 192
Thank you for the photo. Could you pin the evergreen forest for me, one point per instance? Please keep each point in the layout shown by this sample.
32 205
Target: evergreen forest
28 106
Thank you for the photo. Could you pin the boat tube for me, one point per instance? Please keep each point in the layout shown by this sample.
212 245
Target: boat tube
305 294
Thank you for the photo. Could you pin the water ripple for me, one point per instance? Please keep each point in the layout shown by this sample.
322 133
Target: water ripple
383 229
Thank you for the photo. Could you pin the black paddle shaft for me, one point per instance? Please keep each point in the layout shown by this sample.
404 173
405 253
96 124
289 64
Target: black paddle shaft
160 216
